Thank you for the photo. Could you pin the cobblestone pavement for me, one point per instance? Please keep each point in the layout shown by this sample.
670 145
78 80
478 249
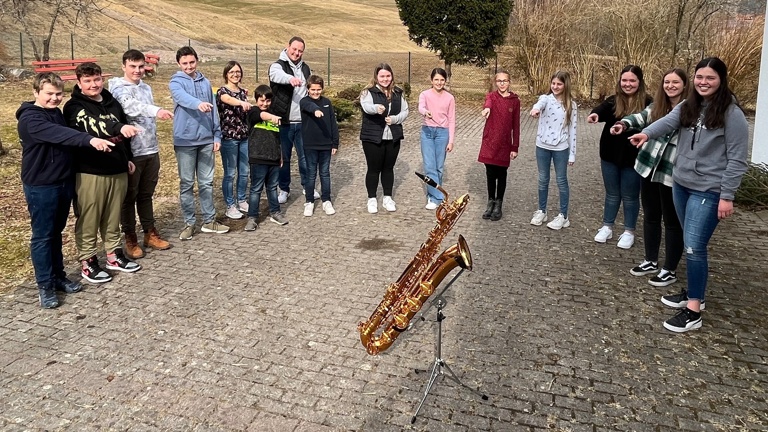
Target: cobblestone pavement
257 330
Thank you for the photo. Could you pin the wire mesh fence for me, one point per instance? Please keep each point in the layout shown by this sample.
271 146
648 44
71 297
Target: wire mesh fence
340 68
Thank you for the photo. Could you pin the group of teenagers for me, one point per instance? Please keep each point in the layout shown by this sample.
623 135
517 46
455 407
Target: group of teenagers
682 153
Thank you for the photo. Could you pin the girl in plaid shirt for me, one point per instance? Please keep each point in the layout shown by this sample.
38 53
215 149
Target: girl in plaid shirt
654 163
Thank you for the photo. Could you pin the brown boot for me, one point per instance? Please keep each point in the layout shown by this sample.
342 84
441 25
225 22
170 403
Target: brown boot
132 249
153 240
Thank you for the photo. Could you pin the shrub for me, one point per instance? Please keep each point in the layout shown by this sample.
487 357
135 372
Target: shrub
344 109
753 191
351 93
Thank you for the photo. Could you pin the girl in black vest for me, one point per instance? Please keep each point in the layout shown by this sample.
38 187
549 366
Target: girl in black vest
384 111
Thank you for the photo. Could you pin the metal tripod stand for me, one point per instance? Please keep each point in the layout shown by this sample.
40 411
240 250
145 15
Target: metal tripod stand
439 366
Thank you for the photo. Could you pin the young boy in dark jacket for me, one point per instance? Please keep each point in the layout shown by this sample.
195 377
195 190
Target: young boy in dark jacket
101 179
265 157
49 181
321 140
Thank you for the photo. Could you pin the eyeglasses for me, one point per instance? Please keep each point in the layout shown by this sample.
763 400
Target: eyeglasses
502 81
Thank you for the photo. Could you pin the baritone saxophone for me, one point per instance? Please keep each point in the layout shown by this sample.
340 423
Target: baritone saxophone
405 297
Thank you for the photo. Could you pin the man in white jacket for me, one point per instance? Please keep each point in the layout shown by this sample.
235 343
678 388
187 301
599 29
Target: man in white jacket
135 96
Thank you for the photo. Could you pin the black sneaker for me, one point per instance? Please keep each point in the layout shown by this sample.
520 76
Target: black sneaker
678 301
664 278
48 299
121 263
65 285
92 271
645 267
685 320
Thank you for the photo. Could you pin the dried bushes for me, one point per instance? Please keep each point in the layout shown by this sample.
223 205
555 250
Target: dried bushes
753 191
594 39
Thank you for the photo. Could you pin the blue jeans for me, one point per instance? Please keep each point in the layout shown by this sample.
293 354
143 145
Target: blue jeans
196 161
434 141
290 136
318 160
234 156
260 175
697 212
544 158
48 210
621 184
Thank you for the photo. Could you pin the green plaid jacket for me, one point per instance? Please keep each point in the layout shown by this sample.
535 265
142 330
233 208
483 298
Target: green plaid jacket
657 156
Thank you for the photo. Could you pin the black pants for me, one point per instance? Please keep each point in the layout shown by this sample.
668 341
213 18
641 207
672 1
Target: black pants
497 181
138 198
381 160
657 204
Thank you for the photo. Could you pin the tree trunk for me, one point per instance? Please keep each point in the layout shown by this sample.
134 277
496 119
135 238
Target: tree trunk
448 70
2 150
47 49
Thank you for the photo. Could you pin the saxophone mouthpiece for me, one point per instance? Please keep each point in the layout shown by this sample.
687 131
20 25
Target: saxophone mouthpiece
426 179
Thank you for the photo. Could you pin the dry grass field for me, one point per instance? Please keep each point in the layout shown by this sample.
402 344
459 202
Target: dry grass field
360 34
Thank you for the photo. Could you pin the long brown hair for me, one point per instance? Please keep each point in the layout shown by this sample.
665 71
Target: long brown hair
718 104
374 82
628 104
662 105
565 78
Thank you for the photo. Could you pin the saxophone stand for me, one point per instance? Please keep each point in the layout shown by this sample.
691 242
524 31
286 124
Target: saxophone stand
439 366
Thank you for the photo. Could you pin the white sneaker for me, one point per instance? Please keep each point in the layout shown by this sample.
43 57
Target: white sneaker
373 206
317 194
558 222
388 203
431 205
539 217
233 212
282 196
309 209
626 240
604 234
243 206
328 208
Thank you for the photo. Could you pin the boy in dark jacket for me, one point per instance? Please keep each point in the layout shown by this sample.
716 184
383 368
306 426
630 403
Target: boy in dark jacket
321 140
101 179
49 183
265 157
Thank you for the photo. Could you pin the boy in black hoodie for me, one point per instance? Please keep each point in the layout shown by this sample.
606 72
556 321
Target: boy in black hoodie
101 179
48 180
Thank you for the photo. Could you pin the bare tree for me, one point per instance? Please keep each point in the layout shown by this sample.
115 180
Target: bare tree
45 16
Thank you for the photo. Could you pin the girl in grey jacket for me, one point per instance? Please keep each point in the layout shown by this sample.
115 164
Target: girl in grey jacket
711 159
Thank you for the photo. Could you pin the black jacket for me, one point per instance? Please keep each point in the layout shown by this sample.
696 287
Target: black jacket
615 148
374 124
282 94
263 140
319 133
46 145
103 120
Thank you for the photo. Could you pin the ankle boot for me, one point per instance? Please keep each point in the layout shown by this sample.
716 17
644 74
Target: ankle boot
496 213
489 209
153 240
132 249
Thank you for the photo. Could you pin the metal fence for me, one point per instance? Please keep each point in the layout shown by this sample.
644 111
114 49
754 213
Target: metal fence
339 67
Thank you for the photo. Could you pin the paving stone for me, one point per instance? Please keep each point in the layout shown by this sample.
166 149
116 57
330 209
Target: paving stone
258 331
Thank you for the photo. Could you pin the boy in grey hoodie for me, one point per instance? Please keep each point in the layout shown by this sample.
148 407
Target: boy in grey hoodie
135 96
196 137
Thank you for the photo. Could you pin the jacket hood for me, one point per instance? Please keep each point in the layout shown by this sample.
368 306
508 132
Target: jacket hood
284 56
107 98
28 107
181 75
118 82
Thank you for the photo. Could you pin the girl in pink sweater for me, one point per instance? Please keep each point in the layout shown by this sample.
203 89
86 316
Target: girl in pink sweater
501 137
438 108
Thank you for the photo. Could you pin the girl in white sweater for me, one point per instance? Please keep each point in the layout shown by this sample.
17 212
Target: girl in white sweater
555 145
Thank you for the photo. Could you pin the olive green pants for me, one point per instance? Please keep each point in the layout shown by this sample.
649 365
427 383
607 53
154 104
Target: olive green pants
97 207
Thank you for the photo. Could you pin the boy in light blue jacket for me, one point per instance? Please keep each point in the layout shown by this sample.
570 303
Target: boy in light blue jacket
196 136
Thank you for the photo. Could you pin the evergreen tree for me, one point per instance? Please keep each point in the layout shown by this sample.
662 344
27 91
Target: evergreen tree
459 31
